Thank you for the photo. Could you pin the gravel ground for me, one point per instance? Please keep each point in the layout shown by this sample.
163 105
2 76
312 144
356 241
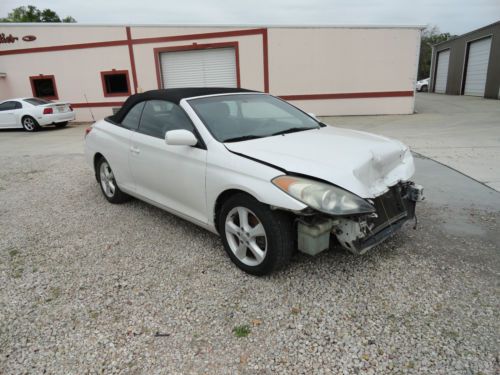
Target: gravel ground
90 287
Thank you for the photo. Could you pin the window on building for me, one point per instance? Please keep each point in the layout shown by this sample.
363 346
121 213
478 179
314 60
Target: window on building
44 87
115 83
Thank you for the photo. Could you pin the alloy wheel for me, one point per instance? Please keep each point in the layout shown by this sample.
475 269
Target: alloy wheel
107 180
246 236
29 124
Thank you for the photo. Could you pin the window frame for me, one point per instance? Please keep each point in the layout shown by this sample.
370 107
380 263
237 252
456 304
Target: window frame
115 72
42 76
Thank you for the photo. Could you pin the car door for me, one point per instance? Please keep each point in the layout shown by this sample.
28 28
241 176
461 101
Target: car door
7 114
115 145
172 176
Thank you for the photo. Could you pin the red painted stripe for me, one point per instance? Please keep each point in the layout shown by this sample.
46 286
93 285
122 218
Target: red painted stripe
132 58
64 47
217 34
266 60
350 95
97 104
353 95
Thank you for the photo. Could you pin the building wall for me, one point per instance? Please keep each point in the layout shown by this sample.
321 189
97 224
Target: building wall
458 53
328 71
374 66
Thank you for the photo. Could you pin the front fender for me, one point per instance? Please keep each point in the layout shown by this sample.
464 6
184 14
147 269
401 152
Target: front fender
228 171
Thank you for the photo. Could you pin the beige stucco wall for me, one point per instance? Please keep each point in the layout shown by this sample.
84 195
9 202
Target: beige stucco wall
302 61
345 60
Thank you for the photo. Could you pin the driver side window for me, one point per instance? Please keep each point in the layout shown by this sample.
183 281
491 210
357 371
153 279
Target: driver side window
160 116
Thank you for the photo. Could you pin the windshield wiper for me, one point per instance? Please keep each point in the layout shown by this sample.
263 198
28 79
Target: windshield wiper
291 130
242 138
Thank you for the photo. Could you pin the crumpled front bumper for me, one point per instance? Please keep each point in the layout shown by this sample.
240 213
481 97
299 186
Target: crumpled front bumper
393 209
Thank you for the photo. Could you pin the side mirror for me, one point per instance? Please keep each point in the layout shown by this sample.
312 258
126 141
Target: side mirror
313 116
180 137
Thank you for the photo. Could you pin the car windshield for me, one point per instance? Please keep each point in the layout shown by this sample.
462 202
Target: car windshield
37 101
233 118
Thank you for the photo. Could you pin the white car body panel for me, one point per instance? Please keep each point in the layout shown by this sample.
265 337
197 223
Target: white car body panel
12 118
375 162
173 176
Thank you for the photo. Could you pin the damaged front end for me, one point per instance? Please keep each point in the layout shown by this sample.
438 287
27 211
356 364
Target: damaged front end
358 233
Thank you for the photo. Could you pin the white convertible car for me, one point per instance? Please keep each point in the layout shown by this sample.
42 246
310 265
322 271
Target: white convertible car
32 113
265 176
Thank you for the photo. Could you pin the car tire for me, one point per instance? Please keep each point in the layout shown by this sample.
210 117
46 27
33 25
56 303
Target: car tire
424 88
257 239
60 125
30 124
107 182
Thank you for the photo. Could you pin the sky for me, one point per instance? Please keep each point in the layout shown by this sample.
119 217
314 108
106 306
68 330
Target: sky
453 16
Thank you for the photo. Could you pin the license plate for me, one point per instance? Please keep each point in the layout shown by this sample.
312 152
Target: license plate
61 109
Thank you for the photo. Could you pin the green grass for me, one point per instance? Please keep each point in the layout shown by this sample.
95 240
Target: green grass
241 331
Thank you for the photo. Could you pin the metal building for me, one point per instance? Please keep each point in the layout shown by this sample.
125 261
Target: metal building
468 64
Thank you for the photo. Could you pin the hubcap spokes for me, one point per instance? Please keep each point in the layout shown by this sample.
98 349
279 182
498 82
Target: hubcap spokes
107 180
28 124
246 236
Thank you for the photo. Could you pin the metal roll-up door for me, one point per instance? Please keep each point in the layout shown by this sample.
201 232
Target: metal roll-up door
477 67
443 61
199 68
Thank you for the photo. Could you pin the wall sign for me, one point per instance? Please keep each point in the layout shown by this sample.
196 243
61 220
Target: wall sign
12 39
8 38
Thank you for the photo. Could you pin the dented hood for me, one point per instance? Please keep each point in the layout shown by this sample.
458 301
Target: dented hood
363 163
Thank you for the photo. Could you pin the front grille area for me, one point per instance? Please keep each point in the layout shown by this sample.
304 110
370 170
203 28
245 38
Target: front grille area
390 207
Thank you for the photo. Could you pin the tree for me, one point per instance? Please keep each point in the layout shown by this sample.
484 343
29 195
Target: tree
31 13
430 36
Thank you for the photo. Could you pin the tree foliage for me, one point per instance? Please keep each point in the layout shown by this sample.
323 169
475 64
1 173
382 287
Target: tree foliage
31 13
430 36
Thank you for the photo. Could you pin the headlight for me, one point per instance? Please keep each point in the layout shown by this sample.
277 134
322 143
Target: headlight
322 197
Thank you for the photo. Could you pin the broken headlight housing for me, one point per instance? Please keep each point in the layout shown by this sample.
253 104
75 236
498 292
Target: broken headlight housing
323 197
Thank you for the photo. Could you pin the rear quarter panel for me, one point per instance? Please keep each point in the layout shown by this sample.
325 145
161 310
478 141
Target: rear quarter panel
112 142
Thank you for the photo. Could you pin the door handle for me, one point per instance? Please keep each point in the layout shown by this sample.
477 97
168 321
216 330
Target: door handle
135 150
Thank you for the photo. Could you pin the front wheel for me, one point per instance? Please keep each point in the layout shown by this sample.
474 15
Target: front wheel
30 124
107 181
257 239
425 88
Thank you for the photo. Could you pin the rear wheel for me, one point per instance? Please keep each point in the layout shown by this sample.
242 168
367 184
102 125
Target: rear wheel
61 124
107 182
30 124
258 240
425 88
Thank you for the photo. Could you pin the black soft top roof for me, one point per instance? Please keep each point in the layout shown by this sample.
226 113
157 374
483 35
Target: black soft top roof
171 95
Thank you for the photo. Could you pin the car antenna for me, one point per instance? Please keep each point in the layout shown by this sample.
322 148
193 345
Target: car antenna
88 106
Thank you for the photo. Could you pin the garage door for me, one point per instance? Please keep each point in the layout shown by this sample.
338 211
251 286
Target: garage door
443 60
199 68
477 67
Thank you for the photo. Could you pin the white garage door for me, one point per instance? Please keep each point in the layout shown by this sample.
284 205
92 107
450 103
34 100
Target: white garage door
199 68
443 60
477 67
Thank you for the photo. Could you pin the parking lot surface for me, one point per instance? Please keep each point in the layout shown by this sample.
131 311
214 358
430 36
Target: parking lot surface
90 287
462 132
